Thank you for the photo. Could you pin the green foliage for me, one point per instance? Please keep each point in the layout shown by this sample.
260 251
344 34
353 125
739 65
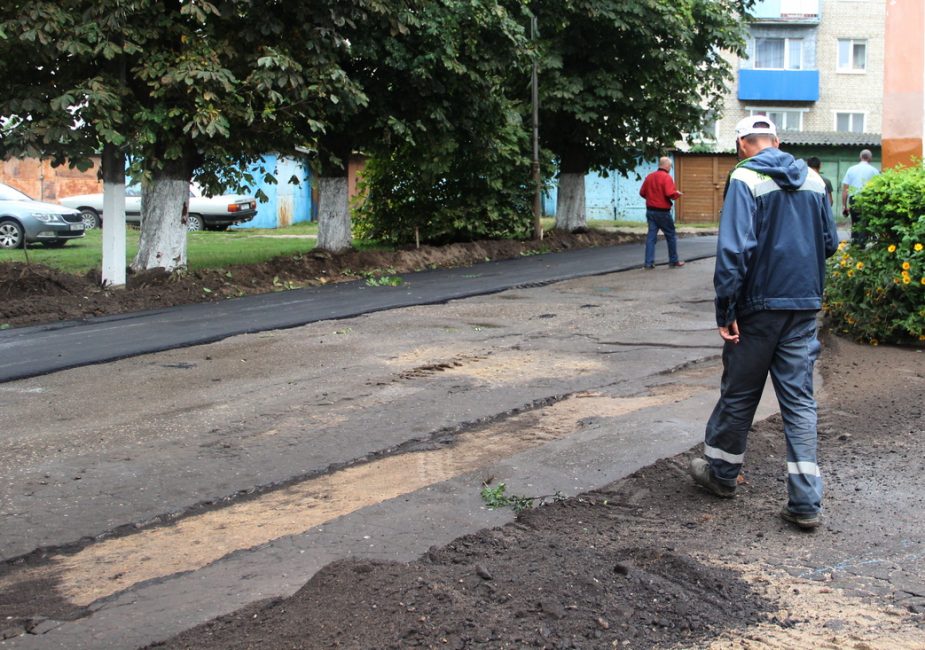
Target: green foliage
622 79
449 162
469 199
876 293
191 87
495 497
384 281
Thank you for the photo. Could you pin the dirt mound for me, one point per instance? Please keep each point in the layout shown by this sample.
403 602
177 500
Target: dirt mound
35 294
18 281
528 584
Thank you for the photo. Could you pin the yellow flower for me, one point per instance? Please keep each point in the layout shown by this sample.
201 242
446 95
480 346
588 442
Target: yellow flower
906 279
850 273
842 245
891 248
917 247
843 263
895 280
905 274
906 266
922 337
859 265
923 279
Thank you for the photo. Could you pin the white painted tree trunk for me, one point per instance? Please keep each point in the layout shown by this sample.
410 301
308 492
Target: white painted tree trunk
333 214
163 225
570 203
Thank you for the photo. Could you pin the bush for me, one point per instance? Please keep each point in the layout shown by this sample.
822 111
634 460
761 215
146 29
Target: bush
465 200
876 293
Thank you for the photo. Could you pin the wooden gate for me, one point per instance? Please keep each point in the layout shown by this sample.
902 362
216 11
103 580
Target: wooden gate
701 178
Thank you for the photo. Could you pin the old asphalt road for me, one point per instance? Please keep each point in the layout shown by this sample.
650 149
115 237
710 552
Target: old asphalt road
147 494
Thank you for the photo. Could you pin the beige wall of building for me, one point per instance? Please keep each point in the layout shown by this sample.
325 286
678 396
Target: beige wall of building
849 91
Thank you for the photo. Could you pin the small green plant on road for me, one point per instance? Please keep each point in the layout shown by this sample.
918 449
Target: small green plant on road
876 293
495 497
383 278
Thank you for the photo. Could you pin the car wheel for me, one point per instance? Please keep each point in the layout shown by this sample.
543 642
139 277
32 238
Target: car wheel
194 222
54 243
91 218
11 234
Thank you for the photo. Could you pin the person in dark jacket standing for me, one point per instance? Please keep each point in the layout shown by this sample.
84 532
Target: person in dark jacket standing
659 191
775 233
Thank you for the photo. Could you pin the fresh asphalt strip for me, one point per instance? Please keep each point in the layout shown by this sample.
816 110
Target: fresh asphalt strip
41 349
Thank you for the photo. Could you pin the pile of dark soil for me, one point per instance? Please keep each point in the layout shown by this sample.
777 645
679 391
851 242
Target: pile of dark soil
34 294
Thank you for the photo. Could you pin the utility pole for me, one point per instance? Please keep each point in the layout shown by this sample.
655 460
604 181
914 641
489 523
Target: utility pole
537 183
113 162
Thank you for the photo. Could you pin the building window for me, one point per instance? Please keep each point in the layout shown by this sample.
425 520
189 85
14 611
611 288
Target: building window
784 120
849 122
779 53
852 55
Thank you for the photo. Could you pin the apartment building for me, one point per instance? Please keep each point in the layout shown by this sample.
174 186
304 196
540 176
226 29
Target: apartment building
816 68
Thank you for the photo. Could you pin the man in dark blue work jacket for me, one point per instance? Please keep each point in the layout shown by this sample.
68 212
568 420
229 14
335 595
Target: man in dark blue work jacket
776 230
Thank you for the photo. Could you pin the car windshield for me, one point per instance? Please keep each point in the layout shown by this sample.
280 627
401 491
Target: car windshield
7 193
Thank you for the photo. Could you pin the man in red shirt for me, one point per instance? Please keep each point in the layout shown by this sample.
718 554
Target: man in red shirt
659 191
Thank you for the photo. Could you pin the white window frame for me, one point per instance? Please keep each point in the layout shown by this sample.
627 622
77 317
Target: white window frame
764 110
851 43
787 41
852 113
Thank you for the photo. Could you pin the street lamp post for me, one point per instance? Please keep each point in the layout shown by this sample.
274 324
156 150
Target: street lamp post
537 183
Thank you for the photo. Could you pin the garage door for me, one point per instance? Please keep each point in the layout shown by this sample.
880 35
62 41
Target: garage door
701 178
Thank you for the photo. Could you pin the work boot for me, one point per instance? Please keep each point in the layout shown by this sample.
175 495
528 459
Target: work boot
806 522
700 471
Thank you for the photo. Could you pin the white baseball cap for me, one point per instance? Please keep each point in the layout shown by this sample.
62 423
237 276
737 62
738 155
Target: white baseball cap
755 124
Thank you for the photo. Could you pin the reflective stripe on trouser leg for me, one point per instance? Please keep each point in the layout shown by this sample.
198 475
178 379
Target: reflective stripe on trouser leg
745 370
792 374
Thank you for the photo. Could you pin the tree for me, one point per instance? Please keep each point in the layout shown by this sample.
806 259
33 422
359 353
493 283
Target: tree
454 164
620 80
434 88
209 86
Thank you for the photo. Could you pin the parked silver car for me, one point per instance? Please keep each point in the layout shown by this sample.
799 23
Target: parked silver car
205 212
23 220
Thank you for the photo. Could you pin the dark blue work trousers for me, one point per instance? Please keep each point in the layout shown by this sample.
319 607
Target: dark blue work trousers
783 343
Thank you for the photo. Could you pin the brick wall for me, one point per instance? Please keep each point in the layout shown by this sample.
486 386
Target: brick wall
43 182
843 91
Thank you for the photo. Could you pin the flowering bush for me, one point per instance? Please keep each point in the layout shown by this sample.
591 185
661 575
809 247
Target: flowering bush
876 293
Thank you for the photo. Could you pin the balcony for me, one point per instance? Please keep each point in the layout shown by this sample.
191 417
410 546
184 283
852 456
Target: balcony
793 12
779 85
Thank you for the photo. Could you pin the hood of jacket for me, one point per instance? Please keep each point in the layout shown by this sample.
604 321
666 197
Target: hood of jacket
788 172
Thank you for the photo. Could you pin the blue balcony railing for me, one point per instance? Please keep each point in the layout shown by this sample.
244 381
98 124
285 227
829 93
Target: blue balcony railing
779 85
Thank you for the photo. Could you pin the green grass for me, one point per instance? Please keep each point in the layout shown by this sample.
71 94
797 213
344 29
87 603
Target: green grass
221 249
204 249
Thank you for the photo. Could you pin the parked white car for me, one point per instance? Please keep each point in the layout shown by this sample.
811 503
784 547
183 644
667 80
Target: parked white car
205 212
